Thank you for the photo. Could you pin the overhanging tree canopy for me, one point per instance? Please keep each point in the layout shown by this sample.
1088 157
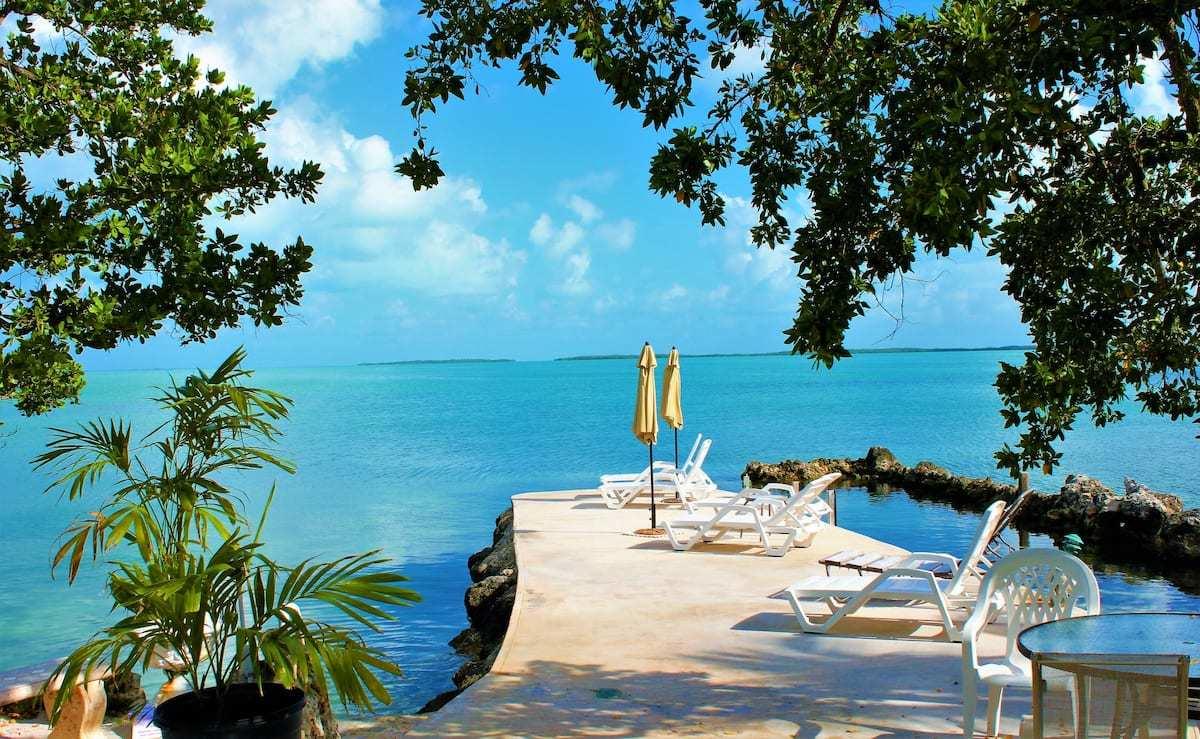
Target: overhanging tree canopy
1003 125
113 254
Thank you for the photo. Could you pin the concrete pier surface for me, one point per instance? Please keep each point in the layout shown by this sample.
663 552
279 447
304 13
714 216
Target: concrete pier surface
613 634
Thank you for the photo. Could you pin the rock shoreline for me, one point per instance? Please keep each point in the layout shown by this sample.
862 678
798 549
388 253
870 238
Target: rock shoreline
489 603
1141 527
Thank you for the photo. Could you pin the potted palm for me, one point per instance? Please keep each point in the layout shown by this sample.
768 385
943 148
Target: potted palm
190 577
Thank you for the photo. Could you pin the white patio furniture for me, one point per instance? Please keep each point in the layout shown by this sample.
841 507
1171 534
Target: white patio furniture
629 478
904 584
779 523
688 483
1026 588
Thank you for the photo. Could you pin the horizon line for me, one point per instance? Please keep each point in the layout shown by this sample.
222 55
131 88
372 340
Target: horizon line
599 357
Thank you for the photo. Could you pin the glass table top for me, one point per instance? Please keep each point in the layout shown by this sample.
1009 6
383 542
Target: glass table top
1118 633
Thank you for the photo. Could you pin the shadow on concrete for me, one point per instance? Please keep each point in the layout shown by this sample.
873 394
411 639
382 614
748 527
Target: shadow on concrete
553 698
724 546
851 627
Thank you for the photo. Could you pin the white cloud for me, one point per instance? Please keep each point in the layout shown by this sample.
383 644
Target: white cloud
360 178
558 241
569 236
266 43
543 230
369 228
576 281
747 61
718 294
618 234
672 295
584 208
561 245
760 265
604 303
447 259
590 182
401 314
1154 96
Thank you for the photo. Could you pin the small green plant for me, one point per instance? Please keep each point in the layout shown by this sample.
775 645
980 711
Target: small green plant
189 576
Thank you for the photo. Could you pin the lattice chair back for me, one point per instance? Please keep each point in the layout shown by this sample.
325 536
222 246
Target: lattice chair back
1123 695
1034 586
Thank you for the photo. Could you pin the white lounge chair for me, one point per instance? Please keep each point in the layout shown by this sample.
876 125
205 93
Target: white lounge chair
780 523
629 478
905 583
864 562
815 505
1029 587
689 483
776 492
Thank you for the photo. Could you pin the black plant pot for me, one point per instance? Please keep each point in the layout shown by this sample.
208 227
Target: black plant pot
275 713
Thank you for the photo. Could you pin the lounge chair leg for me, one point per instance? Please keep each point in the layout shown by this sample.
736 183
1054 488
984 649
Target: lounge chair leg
952 632
805 624
679 544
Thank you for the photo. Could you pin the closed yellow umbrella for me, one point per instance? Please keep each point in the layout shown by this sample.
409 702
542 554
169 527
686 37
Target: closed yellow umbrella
672 400
645 420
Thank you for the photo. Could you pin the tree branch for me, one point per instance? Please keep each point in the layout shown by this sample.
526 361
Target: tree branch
1178 53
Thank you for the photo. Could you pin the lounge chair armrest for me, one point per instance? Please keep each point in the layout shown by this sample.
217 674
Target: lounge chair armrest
908 572
735 508
712 503
915 557
741 507
777 488
764 496
626 477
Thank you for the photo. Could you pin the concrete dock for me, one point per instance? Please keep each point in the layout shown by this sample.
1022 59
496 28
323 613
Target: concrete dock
613 634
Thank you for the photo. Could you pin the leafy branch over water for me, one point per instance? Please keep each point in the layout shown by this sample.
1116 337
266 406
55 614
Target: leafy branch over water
997 125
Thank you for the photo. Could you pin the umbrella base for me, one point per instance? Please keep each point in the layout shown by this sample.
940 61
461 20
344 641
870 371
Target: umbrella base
650 532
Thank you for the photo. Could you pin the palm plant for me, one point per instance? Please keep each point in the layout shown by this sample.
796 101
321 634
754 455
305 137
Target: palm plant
190 579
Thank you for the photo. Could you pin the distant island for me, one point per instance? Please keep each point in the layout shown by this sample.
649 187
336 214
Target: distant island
895 350
592 357
464 360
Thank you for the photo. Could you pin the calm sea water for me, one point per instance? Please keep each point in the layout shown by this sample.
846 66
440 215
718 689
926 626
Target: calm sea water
418 459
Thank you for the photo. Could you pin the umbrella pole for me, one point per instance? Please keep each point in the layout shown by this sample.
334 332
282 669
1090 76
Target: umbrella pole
676 450
653 510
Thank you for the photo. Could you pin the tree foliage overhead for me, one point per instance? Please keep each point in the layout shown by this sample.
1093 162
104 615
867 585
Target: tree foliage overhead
1002 125
143 151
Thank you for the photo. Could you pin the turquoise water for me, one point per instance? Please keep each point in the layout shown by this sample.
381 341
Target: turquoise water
419 459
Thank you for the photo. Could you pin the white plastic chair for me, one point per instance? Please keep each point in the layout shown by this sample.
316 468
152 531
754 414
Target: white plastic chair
1028 587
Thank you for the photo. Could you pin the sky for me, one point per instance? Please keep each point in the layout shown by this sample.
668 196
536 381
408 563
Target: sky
542 241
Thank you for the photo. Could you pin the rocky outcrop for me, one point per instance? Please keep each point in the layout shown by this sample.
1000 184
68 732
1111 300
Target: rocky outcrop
1141 527
489 603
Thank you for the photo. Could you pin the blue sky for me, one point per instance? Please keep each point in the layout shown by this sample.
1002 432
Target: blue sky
543 240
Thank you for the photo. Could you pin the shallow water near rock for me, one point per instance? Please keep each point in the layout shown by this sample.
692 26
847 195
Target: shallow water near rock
419 459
